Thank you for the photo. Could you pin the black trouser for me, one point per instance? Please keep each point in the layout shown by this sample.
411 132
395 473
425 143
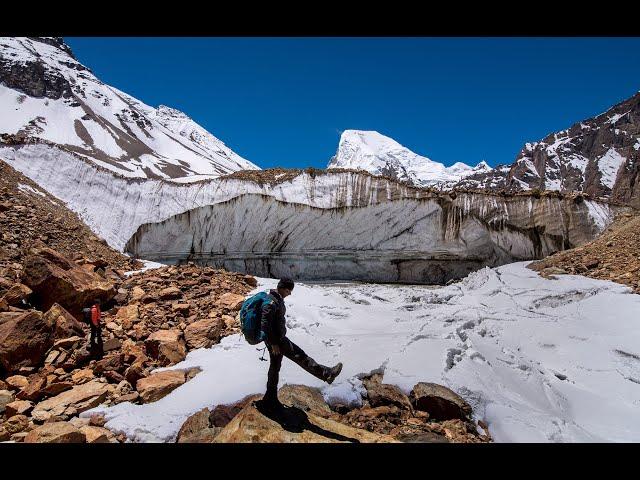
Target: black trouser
95 341
295 353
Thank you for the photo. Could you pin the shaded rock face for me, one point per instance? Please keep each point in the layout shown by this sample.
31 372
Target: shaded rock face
440 402
55 279
429 240
24 340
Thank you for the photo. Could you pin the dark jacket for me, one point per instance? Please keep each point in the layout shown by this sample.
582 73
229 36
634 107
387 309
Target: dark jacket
273 321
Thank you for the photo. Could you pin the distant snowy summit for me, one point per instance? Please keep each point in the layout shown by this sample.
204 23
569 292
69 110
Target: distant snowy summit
381 155
47 95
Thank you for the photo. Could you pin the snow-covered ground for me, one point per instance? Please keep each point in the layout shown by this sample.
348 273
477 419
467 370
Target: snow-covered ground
539 360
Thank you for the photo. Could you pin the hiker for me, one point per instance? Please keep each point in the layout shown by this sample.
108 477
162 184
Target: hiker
95 341
274 333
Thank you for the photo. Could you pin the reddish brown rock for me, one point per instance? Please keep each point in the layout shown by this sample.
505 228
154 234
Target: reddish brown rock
6 397
55 279
74 401
231 301
17 382
196 429
57 388
96 434
158 385
380 394
166 346
56 432
441 402
65 324
19 407
33 391
16 424
24 341
203 333
170 293
16 294
128 316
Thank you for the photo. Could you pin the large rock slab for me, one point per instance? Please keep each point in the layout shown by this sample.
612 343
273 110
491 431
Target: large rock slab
167 346
160 384
305 398
204 333
197 429
55 279
16 294
294 426
231 301
24 340
5 397
56 432
65 324
380 394
77 400
440 402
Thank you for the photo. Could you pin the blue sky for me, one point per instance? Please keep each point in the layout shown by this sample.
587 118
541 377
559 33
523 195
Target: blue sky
285 101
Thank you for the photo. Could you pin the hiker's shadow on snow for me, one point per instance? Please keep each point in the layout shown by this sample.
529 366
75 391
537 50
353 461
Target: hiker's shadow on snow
294 420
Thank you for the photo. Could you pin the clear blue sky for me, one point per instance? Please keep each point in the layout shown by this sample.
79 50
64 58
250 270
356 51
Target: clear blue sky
284 101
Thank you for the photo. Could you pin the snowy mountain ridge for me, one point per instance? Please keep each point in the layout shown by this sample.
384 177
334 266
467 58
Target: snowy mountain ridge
53 97
381 155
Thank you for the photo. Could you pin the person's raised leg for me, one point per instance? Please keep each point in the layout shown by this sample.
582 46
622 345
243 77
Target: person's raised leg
297 355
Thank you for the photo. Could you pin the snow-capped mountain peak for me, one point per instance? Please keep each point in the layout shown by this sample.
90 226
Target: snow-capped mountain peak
380 155
53 98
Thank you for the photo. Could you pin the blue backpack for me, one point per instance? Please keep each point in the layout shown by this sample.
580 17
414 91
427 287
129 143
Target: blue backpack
251 317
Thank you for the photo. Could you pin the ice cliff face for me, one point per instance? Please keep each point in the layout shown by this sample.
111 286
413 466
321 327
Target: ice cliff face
412 240
47 95
381 155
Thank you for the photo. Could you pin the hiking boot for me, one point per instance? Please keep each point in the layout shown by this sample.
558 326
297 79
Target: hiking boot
333 373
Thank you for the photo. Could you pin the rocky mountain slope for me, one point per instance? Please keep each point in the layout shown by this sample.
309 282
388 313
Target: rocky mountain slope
614 255
47 95
380 155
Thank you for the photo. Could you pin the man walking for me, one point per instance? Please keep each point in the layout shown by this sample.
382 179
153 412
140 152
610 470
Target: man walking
274 329
95 341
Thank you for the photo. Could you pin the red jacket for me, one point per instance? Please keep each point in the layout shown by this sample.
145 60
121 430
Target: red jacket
95 315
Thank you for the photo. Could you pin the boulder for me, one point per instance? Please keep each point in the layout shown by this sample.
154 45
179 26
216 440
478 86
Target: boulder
182 308
18 407
128 316
74 401
25 340
292 426
57 388
231 301
111 344
5 397
221 415
65 324
56 432
380 394
441 402
96 434
16 424
158 385
137 293
17 382
55 279
82 376
166 346
250 280
170 293
305 398
196 429
16 294
134 373
203 333
33 391
129 397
